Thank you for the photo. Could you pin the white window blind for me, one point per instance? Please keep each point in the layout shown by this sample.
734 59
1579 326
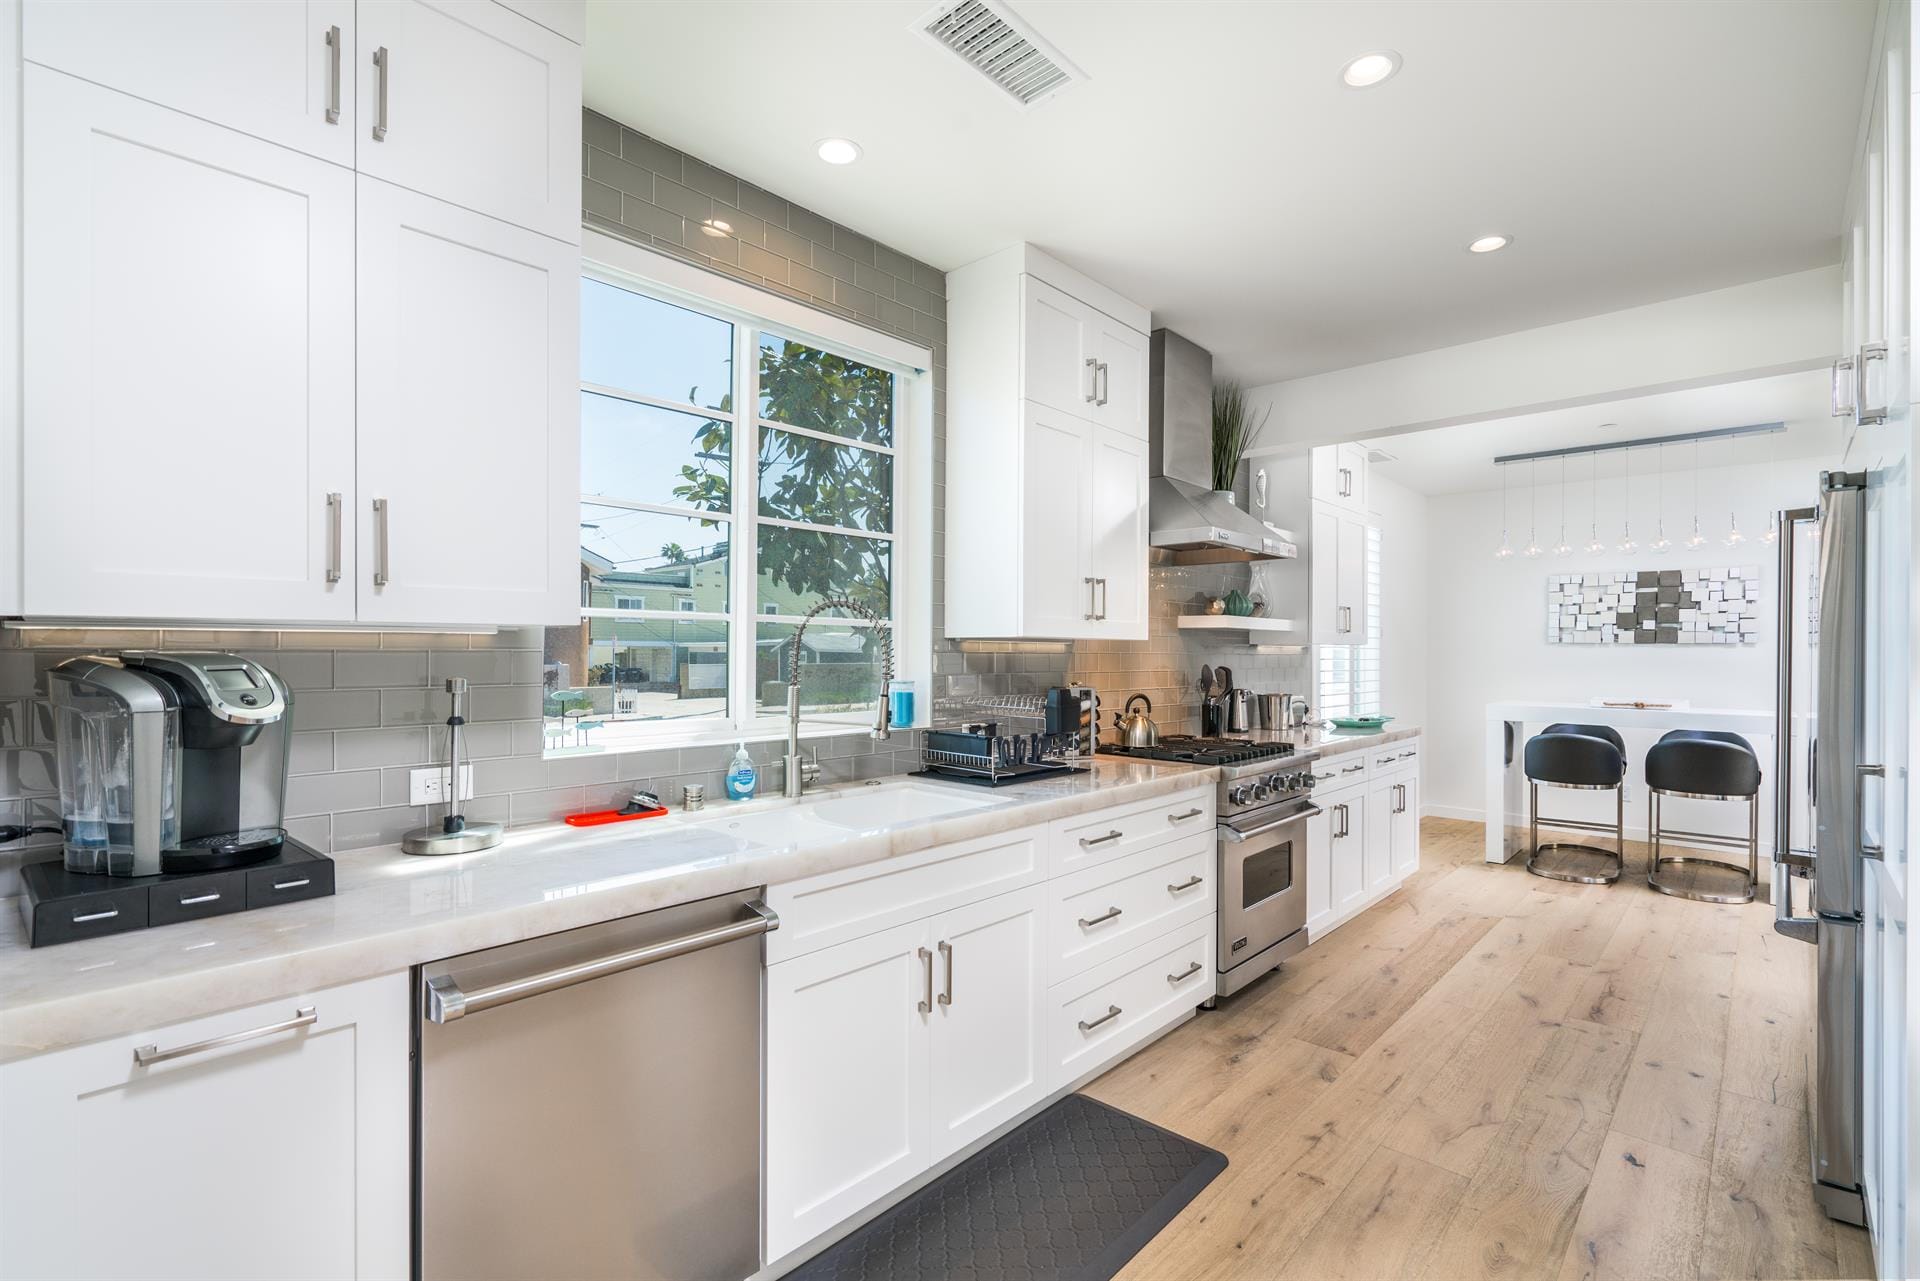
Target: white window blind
1349 675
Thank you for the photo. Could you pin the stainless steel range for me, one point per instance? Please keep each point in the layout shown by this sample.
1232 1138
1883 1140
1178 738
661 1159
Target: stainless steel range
1264 801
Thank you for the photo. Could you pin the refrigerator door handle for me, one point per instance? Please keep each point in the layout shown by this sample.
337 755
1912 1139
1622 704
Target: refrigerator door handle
1804 928
1861 773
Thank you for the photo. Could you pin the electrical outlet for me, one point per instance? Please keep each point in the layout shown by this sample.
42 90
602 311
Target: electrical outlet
429 786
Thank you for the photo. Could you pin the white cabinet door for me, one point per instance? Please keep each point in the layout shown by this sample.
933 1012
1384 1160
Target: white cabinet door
284 1154
469 426
1406 825
847 1080
1378 843
1350 478
1351 579
1057 598
1325 569
1117 534
1121 402
474 104
1319 866
1057 349
987 1035
189 309
283 72
1348 847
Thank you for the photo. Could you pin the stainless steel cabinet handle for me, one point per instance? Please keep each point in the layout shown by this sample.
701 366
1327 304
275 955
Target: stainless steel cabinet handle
1844 396
1093 379
1354 769
1110 914
107 915
1113 1012
1345 814
1103 384
333 75
1103 589
383 70
1861 774
1185 885
148 1055
1196 812
447 1002
926 1002
1865 412
946 954
1090 614
293 885
380 566
334 515
1346 482
1193 968
198 899
1088 842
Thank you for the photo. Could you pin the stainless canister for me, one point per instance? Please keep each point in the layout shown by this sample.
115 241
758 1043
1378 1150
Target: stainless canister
1273 711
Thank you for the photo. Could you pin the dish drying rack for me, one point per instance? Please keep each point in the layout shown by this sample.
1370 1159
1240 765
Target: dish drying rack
995 739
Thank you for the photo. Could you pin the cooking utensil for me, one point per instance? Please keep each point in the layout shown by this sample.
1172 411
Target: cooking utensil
1206 680
1224 675
1137 728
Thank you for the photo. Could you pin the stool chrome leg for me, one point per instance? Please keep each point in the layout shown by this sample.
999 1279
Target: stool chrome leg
1618 853
1657 860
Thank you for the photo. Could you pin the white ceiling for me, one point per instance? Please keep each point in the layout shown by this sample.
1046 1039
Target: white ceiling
1215 169
1459 460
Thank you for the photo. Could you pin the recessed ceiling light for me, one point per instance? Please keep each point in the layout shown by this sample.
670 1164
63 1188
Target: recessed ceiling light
1489 244
1370 69
838 151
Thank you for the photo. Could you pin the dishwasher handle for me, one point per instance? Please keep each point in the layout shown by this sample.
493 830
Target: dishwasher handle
447 1002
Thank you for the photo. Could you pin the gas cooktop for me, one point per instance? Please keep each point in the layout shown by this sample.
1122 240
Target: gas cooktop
1190 750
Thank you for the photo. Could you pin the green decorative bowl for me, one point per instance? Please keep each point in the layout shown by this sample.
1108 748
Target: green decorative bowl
1360 722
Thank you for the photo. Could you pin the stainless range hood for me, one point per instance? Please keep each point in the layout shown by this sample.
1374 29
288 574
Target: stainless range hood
1187 523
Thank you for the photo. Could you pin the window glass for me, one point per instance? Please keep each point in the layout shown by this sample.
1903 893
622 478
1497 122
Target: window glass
805 387
665 558
801 567
839 668
649 455
808 479
611 676
641 345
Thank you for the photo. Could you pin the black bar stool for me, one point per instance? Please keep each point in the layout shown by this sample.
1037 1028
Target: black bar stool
1587 758
1704 765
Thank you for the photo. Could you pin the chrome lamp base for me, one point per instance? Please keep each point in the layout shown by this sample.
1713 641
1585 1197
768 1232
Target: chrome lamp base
469 839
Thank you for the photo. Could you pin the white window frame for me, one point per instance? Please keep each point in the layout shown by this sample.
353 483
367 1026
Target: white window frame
753 311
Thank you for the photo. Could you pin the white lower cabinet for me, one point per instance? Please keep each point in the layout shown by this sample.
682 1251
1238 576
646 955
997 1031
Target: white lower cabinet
917 1005
847 1080
986 1028
1366 840
283 1153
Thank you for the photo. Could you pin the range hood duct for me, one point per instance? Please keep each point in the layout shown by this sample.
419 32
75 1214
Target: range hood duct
1187 523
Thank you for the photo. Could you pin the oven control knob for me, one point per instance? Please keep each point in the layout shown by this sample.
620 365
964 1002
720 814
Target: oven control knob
1237 796
1278 782
1261 791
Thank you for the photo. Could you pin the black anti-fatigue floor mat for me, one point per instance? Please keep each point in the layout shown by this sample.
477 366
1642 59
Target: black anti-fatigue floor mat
1069 1196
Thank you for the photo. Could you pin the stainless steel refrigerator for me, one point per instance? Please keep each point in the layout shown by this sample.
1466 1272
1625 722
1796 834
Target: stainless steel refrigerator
1818 772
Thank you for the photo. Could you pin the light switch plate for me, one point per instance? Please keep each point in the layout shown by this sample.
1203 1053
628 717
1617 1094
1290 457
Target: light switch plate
429 786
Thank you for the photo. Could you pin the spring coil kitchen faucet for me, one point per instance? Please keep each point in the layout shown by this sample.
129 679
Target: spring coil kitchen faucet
796 780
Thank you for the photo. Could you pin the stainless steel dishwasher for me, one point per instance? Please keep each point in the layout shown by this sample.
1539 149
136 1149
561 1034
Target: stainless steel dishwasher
588 1103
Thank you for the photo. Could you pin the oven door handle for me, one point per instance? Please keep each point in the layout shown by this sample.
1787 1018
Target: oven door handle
1235 835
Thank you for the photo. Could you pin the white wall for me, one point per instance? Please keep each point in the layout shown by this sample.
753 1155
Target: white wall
1402 516
1486 619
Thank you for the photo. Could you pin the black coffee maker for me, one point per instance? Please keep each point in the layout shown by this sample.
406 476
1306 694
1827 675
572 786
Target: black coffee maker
236 718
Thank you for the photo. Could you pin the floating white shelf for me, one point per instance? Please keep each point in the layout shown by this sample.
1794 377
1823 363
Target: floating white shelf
1236 623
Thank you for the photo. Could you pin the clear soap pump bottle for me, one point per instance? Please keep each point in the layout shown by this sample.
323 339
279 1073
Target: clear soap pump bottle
740 776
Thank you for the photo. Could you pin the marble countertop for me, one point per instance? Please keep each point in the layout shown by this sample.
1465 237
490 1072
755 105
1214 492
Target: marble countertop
391 911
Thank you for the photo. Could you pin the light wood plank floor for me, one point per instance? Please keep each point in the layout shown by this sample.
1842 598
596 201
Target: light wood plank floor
1491 1074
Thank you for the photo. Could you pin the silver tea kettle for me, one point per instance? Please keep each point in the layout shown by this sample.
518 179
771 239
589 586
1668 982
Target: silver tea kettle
1137 728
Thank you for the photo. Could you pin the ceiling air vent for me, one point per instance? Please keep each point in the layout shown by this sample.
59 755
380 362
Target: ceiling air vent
992 40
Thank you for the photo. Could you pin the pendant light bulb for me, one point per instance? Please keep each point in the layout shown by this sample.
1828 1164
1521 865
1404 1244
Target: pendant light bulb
1563 547
1734 537
1696 538
1505 550
1594 546
1661 544
1533 550
1627 546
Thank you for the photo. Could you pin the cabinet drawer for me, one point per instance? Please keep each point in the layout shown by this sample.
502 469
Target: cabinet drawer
1110 834
1100 912
1340 771
1095 1017
823 910
214 894
1395 756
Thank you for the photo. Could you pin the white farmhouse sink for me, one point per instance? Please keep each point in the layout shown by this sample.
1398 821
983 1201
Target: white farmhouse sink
867 808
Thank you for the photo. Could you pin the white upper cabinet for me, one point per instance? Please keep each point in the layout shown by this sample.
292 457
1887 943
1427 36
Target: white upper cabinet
474 104
468 432
1340 476
1046 453
1338 559
189 342
283 72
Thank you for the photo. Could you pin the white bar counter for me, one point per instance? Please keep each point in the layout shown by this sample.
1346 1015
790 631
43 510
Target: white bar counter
1507 723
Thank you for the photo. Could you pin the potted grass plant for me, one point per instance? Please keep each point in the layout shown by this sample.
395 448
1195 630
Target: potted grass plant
1234 433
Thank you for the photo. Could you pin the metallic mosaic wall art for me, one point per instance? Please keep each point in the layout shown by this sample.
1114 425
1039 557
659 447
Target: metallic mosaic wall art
1655 607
